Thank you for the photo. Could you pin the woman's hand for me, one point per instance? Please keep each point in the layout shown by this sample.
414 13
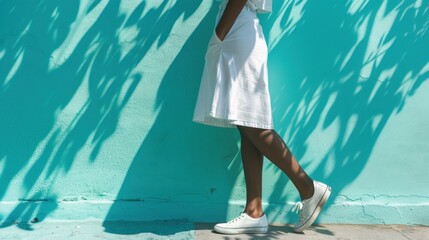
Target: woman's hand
232 10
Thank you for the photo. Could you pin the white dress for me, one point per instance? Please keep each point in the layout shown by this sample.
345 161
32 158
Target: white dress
234 85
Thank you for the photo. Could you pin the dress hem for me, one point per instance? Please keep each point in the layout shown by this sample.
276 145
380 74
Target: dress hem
217 122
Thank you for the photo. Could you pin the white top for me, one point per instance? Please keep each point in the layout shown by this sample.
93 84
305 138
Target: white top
261 6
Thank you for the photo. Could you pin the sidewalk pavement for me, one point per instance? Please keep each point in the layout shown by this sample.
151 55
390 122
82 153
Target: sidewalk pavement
173 230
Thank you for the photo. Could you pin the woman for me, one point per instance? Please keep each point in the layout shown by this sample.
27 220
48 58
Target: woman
234 93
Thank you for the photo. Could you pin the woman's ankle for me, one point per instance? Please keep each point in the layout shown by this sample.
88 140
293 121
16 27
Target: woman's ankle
254 213
309 191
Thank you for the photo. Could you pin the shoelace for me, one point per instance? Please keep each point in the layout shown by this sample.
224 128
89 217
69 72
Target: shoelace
298 207
237 218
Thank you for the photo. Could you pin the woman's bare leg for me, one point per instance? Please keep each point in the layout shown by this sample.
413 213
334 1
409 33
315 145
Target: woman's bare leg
271 145
252 160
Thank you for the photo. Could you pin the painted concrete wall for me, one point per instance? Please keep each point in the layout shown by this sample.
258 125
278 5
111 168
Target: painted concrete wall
97 97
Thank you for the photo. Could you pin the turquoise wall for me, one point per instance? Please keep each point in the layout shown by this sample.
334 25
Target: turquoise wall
97 97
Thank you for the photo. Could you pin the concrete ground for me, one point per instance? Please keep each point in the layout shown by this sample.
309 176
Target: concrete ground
186 230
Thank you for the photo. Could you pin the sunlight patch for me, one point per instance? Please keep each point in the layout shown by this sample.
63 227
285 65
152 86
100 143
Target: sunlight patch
387 73
349 129
78 30
377 44
14 68
375 122
2 53
360 29
280 26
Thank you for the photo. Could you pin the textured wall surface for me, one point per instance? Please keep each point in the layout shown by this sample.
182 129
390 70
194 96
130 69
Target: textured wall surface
97 97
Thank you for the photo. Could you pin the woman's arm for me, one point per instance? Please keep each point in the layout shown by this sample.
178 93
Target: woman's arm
232 10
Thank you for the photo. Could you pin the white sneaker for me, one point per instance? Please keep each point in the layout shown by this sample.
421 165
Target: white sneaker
310 208
243 224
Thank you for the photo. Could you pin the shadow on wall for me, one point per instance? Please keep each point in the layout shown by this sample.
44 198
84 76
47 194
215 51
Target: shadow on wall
327 66
180 164
43 66
347 67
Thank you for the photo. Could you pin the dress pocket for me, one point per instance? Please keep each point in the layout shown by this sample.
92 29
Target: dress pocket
215 36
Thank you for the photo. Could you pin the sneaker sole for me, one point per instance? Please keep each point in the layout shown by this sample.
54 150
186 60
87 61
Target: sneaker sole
241 230
316 212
